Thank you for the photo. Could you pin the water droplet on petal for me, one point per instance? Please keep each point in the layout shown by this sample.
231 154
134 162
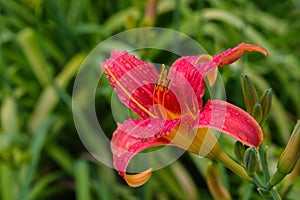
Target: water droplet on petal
113 81
167 97
228 115
132 105
211 107
204 122
127 65
217 114
202 116
122 98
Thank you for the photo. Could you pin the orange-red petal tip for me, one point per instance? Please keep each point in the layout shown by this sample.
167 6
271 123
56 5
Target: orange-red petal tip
136 180
252 47
231 55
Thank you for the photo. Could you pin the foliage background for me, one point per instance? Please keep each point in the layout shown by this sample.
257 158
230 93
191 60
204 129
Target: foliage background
42 46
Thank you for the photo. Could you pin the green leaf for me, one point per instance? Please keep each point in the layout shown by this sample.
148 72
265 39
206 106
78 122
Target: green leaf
82 180
9 115
29 44
35 148
49 96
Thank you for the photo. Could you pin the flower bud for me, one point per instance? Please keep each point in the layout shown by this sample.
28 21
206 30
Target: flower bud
288 158
214 183
249 92
250 160
257 112
291 153
239 150
266 101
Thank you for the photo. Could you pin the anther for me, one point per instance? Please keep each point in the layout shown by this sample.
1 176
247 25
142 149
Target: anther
162 79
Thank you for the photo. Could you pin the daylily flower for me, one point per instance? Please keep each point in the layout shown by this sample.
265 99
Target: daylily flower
170 108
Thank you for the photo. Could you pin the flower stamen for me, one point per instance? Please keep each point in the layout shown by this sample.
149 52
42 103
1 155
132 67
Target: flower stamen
161 89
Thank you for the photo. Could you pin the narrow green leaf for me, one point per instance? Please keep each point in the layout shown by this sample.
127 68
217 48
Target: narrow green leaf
35 149
6 182
82 180
29 44
75 11
59 155
9 115
17 9
42 184
185 181
118 20
49 96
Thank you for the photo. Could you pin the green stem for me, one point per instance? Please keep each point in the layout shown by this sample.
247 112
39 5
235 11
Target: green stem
264 162
275 194
276 178
266 173
258 181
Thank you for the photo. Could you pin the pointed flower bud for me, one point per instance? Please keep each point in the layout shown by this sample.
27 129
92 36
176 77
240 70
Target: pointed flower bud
250 160
257 112
266 101
239 150
288 158
291 153
214 183
249 92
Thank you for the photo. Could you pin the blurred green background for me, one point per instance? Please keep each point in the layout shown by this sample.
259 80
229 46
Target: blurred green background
42 44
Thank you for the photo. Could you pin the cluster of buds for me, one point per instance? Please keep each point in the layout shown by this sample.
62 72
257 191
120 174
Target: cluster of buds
258 108
247 156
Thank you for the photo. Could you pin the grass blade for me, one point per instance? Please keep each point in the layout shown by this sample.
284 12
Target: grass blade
82 180
28 42
35 148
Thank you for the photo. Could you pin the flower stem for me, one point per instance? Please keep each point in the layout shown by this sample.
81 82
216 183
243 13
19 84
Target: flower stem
266 173
258 181
276 178
264 162
233 166
275 194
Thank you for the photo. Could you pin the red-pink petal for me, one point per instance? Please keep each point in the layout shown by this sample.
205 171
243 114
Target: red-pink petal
133 81
189 81
225 58
231 120
231 55
134 136
121 62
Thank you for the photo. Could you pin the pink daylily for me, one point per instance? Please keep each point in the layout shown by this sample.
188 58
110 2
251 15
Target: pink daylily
170 107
